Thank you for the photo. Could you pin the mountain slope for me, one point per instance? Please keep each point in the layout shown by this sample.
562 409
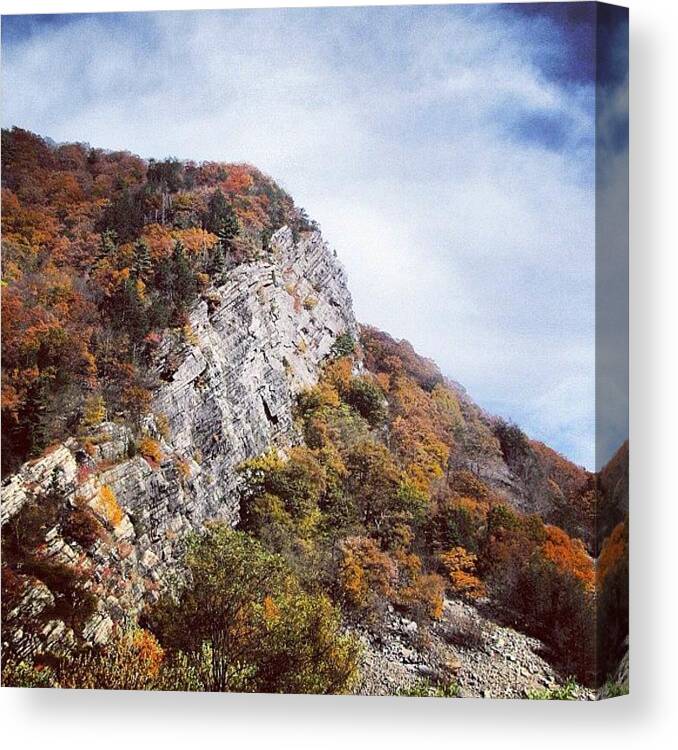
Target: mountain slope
180 351
226 395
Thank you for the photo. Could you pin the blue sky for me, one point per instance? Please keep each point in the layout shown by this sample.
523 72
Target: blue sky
447 152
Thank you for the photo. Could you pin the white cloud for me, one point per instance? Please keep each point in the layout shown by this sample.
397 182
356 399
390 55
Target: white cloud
402 137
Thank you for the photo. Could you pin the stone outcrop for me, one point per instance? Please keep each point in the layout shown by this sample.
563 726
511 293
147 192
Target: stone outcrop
228 385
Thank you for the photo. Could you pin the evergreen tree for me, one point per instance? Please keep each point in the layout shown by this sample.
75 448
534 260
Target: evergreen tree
107 244
229 227
33 424
142 263
183 283
217 262
222 220
127 308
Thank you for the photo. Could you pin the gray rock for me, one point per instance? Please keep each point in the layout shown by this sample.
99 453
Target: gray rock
227 395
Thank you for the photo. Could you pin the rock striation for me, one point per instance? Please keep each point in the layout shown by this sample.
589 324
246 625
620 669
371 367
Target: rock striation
227 389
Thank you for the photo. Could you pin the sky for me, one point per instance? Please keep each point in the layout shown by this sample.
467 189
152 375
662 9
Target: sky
446 151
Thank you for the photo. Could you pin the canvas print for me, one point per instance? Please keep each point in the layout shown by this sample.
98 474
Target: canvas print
314 351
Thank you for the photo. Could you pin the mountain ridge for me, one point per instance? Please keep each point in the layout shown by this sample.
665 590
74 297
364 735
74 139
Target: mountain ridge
189 337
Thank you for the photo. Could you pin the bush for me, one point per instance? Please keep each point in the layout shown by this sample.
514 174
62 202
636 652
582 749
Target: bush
24 675
245 624
465 631
131 660
343 346
150 449
460 566
366 575
427 689
107 504
367 399
81 527
566 692
466 484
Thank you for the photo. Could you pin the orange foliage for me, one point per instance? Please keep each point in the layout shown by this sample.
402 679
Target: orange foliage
613 552
460 566
365 569
150 449
108 504
148 651
569 555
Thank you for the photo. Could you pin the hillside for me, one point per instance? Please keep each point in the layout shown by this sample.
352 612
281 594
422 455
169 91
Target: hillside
181 359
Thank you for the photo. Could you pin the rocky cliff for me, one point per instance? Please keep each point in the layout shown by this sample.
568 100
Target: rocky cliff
228 388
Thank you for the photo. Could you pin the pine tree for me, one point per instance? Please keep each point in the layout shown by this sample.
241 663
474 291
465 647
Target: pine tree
229 227
184 284
107 244
222 219
142 263
217 262
128 310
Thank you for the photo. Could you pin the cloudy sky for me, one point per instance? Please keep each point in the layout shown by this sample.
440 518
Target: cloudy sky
447 152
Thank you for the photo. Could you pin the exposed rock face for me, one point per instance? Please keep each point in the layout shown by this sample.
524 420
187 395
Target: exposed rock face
228 392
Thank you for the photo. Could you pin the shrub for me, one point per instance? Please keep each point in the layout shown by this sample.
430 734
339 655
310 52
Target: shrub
82 527
150 449
428 689
343 346
108 505
163 425
465 631
566 692
245 624
421 594
22 674
131 660
466 484
367 399
310 302
94 411
457 523
460 566
366 574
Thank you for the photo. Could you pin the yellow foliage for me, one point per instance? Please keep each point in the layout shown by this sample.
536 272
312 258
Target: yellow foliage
195 240
383 381
108 504
365 569
95 411
148 651
184 468
190 336
421 593
338 373
271 611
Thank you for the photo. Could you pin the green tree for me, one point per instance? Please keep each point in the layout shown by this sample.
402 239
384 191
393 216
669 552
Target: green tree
128 311
221 219
246 624
142 264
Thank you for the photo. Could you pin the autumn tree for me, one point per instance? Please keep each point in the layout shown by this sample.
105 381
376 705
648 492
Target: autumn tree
247 625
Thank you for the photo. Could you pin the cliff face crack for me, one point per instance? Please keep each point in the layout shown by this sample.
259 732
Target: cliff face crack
272 418
209 394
